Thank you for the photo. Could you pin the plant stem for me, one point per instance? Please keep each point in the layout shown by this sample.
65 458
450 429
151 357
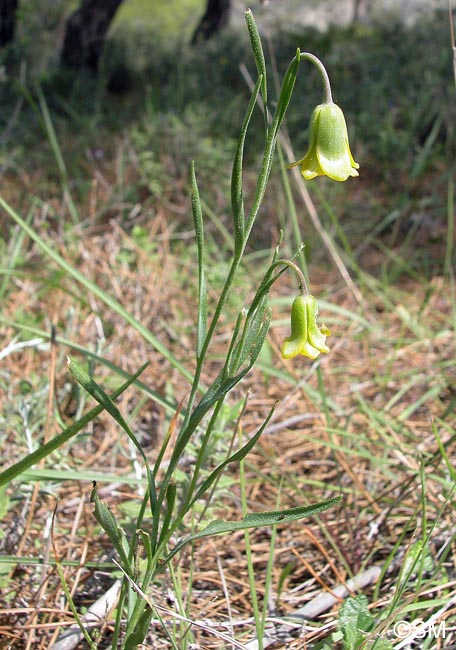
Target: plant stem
303 288
324 75
268 154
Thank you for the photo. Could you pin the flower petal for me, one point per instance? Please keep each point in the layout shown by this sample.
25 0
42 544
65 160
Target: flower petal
315 335
310 167
329 150
338 169
306 337
292 347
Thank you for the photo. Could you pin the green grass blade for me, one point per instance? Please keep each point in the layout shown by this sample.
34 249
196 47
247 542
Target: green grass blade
49 474
94 389
95 289
44 561
72 606
18 468
13 253
52 136
448 462
53 140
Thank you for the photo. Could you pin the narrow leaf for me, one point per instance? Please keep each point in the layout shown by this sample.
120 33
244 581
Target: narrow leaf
271 141
94 389
218 390
258 343
232 354
139 632
171 492
111 527
18 468
253 326
234 458
256 520
258 55
285 94
202 294
97 291
237 200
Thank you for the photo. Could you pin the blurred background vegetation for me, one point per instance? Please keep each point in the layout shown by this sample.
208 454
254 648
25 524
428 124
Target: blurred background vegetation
161 103
98 166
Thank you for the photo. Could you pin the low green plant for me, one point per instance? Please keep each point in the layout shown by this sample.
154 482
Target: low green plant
355 623
170 499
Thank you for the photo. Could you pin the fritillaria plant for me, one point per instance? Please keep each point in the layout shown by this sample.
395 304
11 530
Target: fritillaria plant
167 502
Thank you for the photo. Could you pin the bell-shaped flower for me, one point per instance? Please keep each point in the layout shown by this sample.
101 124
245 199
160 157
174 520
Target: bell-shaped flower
329 150
306 337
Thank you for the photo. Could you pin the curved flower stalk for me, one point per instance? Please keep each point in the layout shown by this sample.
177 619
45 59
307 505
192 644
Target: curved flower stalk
306 337
329 150
169 500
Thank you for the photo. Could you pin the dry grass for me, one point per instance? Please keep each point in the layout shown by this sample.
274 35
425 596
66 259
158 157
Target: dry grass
364 438
361 423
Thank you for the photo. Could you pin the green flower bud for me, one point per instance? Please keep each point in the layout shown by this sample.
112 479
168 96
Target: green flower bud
329 151
306 337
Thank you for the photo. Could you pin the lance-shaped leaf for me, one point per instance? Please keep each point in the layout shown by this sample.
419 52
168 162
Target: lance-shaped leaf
45 450
256 520
237 200
103 398
234 458
254 324
202 294
258 54
111 527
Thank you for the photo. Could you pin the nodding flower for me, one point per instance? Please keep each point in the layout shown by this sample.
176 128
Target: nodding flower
306 337
329 150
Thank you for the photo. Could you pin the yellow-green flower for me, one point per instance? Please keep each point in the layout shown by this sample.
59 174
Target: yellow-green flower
306 337
329 151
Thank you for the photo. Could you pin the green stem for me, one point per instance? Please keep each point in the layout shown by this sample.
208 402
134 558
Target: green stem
303 288
249 555
324 75
199 461
273 131
210 332
292 214
259 194
268 153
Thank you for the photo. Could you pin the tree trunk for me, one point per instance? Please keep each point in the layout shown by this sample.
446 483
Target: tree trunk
85 33
215 17
8 10
357 6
